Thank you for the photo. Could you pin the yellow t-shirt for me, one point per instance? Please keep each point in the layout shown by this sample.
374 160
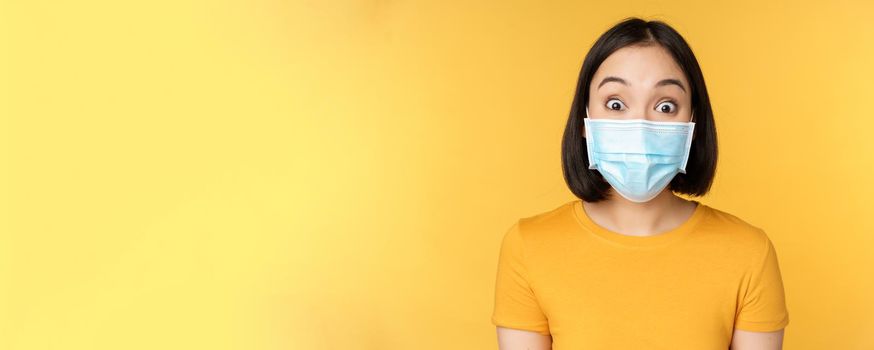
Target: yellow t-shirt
561 274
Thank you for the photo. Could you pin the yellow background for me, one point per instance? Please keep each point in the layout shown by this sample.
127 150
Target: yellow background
264 174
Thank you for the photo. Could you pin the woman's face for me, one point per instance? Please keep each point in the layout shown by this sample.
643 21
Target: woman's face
640 82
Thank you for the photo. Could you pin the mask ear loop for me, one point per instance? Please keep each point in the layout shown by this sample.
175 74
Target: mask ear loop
689 142
589 144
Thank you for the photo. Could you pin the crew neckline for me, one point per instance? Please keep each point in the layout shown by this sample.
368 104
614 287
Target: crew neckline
657 240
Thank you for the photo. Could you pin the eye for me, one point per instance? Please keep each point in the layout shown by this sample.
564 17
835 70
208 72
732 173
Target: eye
666 107
615 104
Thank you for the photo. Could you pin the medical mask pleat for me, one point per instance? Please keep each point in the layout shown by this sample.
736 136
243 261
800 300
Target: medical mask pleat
638 157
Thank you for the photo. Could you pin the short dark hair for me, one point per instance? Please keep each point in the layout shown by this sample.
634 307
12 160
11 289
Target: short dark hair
588 184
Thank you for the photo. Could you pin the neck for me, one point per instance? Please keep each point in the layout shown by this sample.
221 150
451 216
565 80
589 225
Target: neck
662 213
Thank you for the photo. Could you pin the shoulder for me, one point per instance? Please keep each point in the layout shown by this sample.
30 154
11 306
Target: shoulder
723 221
734 233
550 225
557 215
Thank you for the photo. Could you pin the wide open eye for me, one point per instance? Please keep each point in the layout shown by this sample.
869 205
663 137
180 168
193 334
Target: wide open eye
615 104
666 107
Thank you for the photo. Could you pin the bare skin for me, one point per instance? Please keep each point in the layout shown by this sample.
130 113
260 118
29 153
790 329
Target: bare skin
640 82
517 339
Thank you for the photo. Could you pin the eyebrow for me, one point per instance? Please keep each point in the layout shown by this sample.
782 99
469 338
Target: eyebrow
662 82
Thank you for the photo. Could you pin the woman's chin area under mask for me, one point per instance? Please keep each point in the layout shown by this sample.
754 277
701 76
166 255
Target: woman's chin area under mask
664 212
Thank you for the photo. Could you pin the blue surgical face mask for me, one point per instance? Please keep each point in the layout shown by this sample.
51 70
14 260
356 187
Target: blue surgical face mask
638 157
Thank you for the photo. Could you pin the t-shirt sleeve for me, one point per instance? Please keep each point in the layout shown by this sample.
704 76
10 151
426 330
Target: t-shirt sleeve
515 303
764 305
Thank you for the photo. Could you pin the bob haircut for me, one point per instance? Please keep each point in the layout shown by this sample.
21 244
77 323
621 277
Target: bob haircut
589 184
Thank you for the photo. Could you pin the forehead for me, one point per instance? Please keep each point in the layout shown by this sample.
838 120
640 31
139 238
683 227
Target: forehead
643 65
